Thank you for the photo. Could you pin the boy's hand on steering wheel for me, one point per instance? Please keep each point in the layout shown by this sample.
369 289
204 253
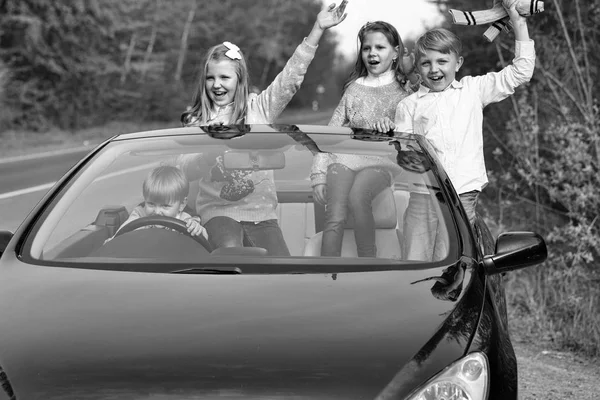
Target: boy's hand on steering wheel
195 228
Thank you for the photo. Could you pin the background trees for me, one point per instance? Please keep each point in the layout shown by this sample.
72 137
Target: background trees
85 62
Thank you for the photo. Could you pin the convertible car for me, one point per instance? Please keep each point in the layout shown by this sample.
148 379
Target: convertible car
93 309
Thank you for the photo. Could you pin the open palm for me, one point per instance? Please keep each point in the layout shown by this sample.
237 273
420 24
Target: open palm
331 16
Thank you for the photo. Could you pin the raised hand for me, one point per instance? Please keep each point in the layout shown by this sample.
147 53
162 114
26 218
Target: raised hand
332 15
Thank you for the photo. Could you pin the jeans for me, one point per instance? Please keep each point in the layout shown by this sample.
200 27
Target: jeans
469 203
227 232
353 191
423 239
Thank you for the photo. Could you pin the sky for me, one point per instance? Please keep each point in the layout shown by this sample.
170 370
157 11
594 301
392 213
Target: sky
410 17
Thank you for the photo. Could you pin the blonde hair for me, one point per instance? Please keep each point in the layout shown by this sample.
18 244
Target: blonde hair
199 112
165 184
438 39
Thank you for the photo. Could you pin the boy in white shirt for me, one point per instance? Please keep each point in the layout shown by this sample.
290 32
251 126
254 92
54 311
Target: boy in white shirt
449 113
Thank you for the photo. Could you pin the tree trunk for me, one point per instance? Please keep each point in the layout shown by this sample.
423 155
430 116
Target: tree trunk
184 40
151 42
127 65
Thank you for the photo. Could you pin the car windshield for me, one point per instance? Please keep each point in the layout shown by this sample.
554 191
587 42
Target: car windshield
261 179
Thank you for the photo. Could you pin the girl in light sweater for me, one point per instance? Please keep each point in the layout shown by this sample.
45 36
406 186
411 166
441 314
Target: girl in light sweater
238 208
348 182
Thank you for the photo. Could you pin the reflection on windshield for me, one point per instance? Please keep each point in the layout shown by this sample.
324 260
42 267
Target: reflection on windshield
449 285
246 192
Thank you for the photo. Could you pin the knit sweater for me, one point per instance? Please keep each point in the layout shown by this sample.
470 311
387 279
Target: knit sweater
361 106
248 195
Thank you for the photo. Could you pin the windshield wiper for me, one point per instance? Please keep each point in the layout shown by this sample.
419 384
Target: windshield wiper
209 270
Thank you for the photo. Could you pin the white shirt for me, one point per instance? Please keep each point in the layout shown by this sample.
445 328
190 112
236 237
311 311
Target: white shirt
452 120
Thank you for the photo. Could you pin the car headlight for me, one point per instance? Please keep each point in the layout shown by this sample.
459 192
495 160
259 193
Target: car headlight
466 379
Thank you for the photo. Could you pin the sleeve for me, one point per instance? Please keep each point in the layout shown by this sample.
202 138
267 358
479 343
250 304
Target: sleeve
403 119
318 173
339 117
496 86
273 100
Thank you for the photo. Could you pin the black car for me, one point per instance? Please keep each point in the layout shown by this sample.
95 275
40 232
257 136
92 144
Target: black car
93 311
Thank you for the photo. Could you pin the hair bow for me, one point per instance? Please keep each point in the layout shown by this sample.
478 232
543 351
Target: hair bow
497 15
233 52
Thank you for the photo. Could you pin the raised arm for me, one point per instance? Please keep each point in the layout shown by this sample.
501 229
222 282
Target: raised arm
269 104
329 17
519 23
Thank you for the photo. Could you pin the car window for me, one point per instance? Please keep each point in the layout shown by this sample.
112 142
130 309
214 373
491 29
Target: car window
406 220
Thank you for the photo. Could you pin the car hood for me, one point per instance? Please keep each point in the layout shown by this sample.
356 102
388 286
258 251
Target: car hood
97 334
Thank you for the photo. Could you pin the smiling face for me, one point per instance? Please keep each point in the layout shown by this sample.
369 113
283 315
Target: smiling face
438 70
221 81
377 53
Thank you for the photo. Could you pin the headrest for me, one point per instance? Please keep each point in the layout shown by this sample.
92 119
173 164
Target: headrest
384 211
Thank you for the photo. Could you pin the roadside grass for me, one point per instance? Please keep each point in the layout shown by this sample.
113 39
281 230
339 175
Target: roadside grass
553 304
18 143
556 307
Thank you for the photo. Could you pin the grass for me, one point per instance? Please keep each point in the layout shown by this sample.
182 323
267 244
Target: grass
18 143
555 303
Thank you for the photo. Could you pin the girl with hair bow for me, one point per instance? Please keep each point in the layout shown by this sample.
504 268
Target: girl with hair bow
239 208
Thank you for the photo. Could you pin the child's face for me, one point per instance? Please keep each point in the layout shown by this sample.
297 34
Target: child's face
221 81
377 53
438 70
170 209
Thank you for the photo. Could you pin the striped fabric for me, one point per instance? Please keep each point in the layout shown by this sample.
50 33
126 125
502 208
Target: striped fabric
479 17
497 15
496 27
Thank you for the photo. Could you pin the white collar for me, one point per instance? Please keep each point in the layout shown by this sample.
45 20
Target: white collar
423 90
384 79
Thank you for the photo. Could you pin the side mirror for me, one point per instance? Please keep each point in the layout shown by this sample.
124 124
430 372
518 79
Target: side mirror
515 250
5 237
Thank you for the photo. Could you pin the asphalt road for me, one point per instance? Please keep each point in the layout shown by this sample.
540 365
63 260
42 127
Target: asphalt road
25 180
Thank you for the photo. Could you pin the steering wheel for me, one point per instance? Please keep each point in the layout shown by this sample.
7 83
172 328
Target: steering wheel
168 222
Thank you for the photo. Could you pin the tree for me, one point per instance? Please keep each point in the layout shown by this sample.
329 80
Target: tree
57 52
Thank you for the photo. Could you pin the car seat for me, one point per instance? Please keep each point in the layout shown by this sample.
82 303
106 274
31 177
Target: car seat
387 236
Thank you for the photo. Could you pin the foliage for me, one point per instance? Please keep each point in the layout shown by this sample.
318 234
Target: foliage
56 52
84 62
